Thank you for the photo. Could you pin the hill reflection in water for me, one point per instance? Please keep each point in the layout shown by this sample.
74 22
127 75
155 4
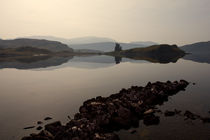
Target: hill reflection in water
86 61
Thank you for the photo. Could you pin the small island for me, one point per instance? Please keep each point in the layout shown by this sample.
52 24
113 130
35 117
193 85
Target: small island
162 53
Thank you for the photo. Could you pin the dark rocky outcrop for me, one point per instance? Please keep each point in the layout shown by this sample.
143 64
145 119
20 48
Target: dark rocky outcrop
99 117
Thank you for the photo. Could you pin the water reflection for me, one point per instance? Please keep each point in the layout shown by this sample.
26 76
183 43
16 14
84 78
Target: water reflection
58 93
33 62
86 61
199 57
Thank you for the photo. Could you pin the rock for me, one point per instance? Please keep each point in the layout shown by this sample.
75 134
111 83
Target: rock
35 138
39 128
97 136
149 111
29 127
27 138
206 120
169 113
39 122
75 138
106 136
74 128
47 118
158 111
46 133
177 111
132 131
151 120
123 112
69 117
191 115
54 127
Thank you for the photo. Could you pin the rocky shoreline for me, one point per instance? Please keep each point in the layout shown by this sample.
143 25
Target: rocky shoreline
99 117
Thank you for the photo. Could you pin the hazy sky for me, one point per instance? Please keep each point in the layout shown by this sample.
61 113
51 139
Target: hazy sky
162 21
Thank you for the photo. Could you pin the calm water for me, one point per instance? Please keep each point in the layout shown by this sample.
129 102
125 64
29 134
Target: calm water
29 92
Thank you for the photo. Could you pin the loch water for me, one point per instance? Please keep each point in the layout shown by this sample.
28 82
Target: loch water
57 87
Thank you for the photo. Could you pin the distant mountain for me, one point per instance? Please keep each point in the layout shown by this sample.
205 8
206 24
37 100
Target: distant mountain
51 38
106 46
200 47
199 52
53 46
95 43
86 51
88 40
81 40
157 53
144 43
102 46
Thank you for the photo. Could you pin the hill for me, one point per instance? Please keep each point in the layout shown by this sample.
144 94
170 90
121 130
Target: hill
80 40
22 51
200 47
53 46
157 53
144 43
199 52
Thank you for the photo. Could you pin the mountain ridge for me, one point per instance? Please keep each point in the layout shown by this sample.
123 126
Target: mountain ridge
95 43
54 46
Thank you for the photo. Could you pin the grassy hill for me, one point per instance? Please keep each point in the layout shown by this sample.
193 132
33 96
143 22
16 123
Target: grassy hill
22 51
28 51
53 46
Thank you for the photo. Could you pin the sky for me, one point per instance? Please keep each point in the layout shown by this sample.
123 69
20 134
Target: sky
162 21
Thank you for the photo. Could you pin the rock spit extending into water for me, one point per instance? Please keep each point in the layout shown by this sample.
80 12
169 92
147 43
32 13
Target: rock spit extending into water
100 116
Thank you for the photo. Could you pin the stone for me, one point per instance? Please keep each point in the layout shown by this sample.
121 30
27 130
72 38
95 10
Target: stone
206 120
29 127
39 122
151 120
39 128
191 115
150 111
46 134
54 127
169 113
47 118
132 131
